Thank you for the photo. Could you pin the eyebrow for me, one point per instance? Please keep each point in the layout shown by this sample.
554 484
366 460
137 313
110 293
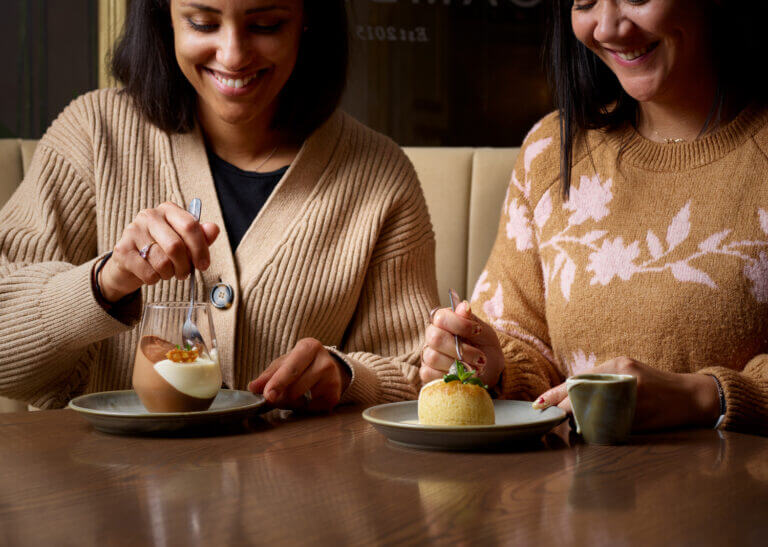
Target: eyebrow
209 9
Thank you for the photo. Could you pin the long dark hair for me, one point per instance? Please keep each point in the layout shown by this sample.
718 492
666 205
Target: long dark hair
589 96
144 61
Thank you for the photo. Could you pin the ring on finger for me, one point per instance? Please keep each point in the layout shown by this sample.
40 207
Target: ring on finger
432 313
144 251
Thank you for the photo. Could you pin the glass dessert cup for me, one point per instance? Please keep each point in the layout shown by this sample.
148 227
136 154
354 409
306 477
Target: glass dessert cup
168 374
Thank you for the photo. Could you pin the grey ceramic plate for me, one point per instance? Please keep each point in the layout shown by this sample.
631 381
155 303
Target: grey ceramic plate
515 420
122 412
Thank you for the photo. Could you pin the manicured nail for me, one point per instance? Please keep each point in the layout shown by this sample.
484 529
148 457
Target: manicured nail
540 404
477 329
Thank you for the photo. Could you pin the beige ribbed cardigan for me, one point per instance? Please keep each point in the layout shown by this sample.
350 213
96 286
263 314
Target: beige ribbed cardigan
343 251
659 253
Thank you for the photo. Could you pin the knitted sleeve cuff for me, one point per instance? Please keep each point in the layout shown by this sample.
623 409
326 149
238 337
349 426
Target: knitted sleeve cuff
127 310
526 374
363 384
376 379
72 316
746 399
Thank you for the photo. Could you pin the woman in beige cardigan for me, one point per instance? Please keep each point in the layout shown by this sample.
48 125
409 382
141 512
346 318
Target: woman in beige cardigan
326 266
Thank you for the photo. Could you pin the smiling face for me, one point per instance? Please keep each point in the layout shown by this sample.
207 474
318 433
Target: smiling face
658 49
237 54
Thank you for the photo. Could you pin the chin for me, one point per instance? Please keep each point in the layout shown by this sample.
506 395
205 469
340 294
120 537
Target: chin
237 115
641 92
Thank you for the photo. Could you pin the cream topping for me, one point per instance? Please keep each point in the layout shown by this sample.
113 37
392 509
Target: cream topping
200 378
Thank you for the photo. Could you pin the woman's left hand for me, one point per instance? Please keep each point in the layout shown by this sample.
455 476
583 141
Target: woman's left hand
307 368
664 399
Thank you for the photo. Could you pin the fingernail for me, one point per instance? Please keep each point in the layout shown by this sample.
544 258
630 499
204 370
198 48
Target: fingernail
204 264
476 330
272 394
540 404
467 306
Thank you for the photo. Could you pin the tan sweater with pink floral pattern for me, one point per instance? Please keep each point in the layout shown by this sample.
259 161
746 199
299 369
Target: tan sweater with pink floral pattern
660 253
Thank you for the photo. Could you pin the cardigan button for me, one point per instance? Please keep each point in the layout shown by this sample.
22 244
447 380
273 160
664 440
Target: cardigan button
222 296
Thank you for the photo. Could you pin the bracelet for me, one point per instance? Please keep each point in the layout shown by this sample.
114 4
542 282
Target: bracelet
106 304
721 395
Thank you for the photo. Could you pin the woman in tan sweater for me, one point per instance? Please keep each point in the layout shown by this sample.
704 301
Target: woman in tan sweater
634 234
325 265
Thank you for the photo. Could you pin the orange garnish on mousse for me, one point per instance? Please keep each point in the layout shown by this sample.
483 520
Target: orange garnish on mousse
183 355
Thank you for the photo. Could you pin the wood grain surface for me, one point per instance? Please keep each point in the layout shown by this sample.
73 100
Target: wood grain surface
333 479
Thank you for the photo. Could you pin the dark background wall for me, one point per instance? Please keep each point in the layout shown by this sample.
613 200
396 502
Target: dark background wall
50 51
425 72
448 72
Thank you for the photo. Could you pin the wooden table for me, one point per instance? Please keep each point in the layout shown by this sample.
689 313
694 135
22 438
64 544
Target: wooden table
333 479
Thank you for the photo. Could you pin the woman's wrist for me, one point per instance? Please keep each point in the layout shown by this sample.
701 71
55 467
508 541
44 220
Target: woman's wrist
704 399
108 290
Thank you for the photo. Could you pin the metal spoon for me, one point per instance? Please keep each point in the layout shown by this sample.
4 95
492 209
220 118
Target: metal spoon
453 369
189 331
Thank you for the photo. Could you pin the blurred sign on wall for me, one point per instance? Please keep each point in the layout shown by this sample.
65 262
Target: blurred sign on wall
448 72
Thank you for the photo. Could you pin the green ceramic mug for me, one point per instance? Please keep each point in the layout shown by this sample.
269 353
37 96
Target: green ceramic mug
603 406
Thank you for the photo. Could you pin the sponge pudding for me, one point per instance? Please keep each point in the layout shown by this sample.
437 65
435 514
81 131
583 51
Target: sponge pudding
454 402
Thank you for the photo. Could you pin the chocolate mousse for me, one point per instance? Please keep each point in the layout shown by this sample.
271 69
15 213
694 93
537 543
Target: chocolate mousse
183 372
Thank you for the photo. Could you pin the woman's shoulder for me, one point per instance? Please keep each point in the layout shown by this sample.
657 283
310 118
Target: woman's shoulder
538 162
368 144
758 115
348 148
92 116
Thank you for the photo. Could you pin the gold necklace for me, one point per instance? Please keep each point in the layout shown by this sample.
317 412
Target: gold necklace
666 140
268 157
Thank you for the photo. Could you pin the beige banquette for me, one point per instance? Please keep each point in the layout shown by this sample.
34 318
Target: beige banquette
464 188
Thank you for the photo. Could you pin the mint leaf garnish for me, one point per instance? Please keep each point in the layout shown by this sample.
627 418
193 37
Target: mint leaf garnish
464 375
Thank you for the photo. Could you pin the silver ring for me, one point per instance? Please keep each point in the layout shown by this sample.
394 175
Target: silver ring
432 313
144 251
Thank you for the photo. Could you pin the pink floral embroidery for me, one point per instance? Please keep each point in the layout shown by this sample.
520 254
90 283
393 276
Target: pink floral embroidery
757 273
589 200
543 210
481 286
613 259
494 308
581 362
519 226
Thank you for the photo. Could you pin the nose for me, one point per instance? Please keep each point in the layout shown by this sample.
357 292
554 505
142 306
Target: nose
233 52
611 23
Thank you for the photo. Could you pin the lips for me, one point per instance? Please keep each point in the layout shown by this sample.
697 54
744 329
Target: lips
238 83
631 55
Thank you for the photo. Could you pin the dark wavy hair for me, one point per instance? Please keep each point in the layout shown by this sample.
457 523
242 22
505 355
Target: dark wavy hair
144 61
589 96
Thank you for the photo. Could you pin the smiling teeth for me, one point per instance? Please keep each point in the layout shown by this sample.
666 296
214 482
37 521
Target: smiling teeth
632 55
235 84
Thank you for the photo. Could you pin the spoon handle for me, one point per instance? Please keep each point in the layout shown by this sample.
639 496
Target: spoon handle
451 295
195 206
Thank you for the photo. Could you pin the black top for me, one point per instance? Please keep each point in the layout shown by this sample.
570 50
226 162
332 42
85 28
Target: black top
242 194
